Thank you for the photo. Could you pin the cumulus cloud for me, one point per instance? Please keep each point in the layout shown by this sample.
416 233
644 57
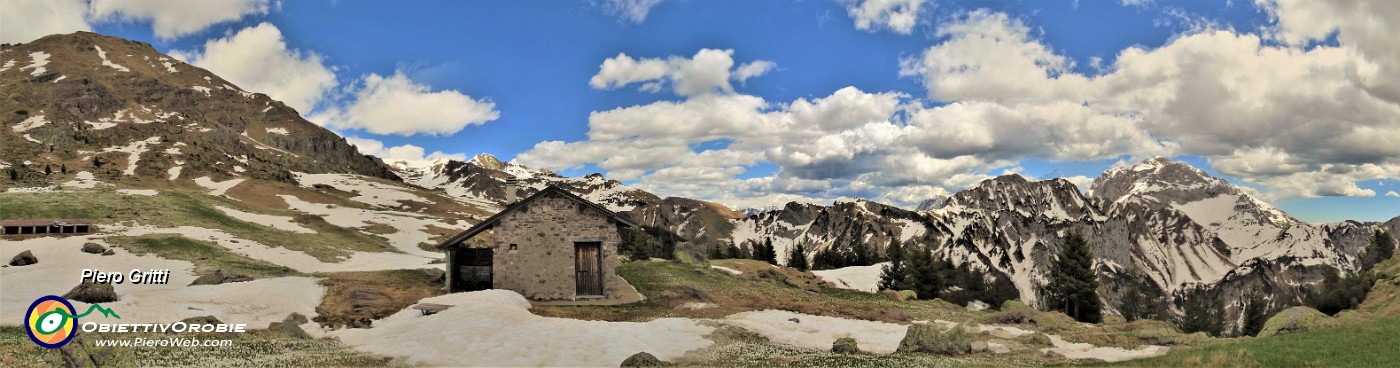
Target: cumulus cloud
634 11
709 71
898 16
1284 116
408 153
172 19
1392 194
27 20
397 105
1366 28
257 59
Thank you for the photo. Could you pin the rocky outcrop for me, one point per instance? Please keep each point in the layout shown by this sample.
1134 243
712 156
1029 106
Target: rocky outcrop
24 258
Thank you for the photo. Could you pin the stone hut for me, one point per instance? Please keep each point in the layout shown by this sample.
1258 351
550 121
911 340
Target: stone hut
552 245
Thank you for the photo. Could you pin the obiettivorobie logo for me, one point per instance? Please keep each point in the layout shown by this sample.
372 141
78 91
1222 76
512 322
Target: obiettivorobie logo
51 321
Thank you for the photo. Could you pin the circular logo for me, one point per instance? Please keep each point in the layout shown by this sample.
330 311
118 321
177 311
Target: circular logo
50 321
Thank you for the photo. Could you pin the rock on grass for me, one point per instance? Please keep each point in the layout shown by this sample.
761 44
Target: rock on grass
845 345
926 338
93 248
221 276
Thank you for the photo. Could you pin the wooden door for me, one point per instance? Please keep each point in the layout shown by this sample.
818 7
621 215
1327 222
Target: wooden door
473 269
588 264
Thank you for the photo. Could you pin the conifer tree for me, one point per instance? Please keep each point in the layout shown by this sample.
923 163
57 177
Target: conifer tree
798 258
1255 313
895 275
770 255
1382 247
926 274
1073 283
1203 312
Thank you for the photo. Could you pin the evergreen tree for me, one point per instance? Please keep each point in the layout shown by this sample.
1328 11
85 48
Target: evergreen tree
926 280
770 255
14 175
48 170
1141 298
894 276
1337 293
63 168
641 249
798 258
1203 312
1073 283
1382 247
1255 313
860 253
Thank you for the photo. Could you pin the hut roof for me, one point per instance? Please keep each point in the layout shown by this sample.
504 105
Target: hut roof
486 225
44 222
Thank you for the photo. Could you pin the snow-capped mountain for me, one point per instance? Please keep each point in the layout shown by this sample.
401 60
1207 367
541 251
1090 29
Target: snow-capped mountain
482 181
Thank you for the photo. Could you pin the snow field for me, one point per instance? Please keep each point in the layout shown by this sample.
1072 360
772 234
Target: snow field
862 278
819 332
495 328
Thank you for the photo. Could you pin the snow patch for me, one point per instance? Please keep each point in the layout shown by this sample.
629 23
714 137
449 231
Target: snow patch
506 334
202 89
142 192
106 62
1089 351
134 151
82 180
216 188
819 332
277 222
30 123
862 278
727 269
38 60
282 131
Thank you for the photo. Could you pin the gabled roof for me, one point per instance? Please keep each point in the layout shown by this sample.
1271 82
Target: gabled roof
485 225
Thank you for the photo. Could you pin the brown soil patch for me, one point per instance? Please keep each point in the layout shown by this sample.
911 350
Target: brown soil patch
356 298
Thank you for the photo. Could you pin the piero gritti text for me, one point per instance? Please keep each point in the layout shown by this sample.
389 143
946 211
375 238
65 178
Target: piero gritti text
135 276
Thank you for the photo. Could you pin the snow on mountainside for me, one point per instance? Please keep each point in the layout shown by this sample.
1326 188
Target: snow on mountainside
482 181
126 112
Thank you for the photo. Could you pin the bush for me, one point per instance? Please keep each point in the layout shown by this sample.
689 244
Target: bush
1296 319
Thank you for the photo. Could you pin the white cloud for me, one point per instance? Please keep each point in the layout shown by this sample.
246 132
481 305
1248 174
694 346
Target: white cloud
753 69
634 11
1366 28
258 59
28 20
172 19
1392 194
408 153
898 16
707 72
1287 117
397 105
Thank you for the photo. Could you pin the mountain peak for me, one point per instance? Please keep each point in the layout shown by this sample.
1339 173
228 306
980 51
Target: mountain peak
487 161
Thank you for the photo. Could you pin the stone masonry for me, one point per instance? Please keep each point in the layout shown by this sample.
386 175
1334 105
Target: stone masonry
541 266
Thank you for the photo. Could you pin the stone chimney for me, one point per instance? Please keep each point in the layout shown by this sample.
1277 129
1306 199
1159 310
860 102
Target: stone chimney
511 185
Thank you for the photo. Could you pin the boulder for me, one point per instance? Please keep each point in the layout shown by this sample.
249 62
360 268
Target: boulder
644 359
1296 319
109 252
290 327
907 295
927 338
977 306
24 258
979 346
692 254
92 293
202 320
896 314
845 345
221 276
93 248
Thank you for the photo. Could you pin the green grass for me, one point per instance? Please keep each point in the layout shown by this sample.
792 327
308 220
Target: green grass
248 350
206 256
184 208
1362 345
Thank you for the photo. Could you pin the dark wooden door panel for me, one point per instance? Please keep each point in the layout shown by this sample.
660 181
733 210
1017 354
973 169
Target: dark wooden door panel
588 259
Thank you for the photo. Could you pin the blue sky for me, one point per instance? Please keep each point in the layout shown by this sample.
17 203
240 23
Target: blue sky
530 63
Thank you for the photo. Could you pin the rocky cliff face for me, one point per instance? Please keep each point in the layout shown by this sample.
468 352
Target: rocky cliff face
123 110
